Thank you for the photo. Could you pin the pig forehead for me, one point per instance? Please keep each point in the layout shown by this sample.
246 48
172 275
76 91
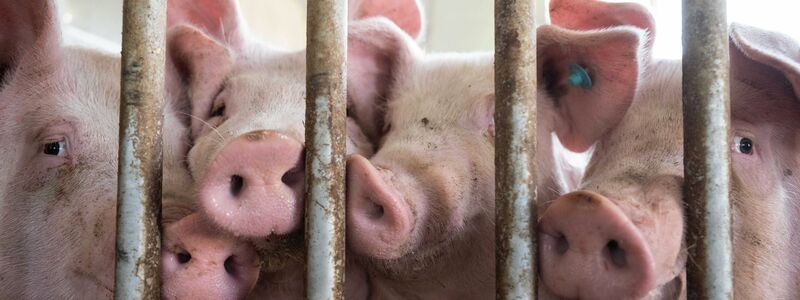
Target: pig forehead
761 102
444 87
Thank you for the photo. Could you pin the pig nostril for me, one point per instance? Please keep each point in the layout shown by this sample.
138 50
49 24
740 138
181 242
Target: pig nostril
562 245
237 184
293 176
376 211
184 257
617 254
229 266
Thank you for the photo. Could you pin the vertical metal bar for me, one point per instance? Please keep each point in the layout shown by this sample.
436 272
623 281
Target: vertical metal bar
706 110
326 63
515 150
140 162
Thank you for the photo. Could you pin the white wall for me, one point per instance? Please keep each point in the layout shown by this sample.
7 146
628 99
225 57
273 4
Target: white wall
453 25
280 22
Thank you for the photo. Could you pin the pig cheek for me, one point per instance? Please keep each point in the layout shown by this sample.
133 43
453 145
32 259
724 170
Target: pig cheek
84 224
202 154
661 223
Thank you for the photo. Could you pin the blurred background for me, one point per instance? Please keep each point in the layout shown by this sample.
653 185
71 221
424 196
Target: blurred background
452 25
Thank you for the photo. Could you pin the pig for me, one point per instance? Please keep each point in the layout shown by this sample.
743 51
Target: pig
247 108
765 137
621 234
59 128
420 211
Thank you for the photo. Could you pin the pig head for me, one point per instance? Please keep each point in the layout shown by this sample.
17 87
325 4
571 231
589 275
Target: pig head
765 154
59 116
628 213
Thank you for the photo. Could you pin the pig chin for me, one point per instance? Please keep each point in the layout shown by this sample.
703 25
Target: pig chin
279 252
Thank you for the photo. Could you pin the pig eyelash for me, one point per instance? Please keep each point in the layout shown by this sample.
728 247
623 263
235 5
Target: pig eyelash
221 138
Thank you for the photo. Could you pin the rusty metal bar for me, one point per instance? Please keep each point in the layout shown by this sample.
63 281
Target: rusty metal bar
139 182
515 148
326 63
706 110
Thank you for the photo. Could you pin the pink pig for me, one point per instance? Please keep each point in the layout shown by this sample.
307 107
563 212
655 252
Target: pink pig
620 235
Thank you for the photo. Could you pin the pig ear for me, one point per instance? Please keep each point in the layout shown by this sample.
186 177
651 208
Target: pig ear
219 19
591 77
202 63
377 52
591 14
777 51
28 31
407 14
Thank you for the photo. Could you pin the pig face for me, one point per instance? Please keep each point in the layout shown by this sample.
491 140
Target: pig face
626 214
765 154
424 202
620 234
59 117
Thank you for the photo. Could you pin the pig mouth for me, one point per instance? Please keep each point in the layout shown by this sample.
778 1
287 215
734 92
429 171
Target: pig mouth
670 290
280 251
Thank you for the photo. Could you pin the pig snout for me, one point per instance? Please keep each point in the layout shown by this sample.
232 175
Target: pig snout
589 249
199 262
379 222
254 185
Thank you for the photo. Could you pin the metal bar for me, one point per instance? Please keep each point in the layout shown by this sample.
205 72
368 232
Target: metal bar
326 63
140 162
515 150
706 110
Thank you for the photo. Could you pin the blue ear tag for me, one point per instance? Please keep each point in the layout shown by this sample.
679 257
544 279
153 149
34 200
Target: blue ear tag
579 77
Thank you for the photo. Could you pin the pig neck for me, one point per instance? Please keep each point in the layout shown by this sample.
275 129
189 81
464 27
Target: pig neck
464 274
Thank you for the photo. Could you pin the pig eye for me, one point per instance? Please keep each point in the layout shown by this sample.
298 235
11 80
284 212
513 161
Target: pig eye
743 145
57 148
218 111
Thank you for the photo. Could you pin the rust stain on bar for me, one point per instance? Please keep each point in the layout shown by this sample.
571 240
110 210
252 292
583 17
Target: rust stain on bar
138 245
706 109
326 105
515 148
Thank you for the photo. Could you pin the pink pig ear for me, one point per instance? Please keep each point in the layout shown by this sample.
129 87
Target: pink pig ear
407 14
377 53
28 35
219 19
592 78
593 14
776 51
203 63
